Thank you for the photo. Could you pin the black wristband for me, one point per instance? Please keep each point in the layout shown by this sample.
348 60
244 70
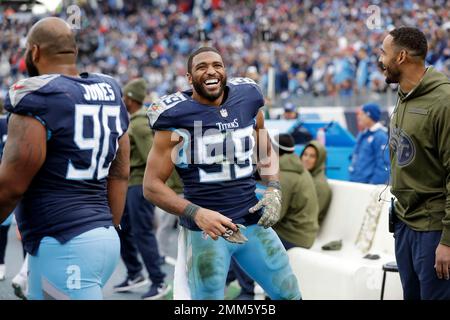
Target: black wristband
274 184
191 210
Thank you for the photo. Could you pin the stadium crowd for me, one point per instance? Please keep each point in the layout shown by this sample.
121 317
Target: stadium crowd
319 47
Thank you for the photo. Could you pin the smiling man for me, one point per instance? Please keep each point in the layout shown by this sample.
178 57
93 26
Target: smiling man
215 122
420 165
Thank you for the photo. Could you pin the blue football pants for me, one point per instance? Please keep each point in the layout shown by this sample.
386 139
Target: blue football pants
262 257
77 269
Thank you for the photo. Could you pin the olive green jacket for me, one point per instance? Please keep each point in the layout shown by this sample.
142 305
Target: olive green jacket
299 210
174 182
141 139
323 189
420 155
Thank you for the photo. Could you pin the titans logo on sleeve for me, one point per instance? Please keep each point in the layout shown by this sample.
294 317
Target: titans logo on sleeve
216 160
84 118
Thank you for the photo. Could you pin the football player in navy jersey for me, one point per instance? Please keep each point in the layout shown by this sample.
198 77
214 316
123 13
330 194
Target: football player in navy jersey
207 134
67 161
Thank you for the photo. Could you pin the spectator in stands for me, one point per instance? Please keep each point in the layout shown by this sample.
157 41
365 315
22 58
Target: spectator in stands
313 158
298 84
362 71
136 234
343 72
153 38
252 73
290 112
319 75
370 158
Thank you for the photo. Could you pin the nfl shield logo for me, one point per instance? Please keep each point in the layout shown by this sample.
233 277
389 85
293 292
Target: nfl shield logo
224 113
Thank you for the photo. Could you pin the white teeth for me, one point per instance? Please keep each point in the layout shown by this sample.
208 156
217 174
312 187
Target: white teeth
212 81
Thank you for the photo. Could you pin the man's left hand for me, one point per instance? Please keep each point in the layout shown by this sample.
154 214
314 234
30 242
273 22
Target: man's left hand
271 202
442 263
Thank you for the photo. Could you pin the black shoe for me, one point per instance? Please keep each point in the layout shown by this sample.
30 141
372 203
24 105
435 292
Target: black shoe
131 283
157 291
245 296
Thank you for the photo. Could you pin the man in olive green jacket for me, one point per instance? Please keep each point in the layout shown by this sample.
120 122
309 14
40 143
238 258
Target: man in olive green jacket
137 234
313 157
298 224
420 165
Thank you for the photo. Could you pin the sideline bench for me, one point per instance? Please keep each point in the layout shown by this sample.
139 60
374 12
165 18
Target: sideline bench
346 274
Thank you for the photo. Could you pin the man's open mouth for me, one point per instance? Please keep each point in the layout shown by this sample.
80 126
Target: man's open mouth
212 83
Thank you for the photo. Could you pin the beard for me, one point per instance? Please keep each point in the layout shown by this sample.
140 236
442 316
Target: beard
31 68
392 73
200 89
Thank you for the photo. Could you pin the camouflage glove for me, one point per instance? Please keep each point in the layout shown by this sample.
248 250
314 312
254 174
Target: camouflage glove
271 202
235 237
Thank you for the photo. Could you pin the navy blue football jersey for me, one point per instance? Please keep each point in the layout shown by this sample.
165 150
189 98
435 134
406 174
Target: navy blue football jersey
216 160
84 118
3 133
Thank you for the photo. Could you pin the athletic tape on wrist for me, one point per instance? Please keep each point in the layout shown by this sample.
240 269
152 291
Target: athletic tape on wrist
191 210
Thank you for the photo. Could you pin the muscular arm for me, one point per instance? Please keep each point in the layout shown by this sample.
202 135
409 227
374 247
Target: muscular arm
23 156
269 171
442 129
159 168
268 165
118 179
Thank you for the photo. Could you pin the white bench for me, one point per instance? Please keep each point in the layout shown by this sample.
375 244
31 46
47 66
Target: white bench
345 274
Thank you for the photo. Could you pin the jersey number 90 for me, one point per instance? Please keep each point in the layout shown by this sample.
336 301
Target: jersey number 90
100 116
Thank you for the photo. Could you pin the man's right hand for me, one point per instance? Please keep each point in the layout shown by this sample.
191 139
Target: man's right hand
213 223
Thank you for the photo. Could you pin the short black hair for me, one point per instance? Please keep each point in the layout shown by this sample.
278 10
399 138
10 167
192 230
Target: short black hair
196 52
411 39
